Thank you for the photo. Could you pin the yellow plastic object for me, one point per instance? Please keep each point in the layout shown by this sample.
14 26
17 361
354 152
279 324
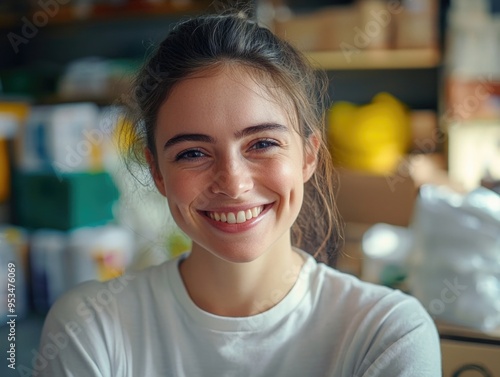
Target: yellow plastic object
19 112
372 137
178 244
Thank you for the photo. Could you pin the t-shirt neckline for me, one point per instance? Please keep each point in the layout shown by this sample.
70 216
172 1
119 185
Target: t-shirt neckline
253 323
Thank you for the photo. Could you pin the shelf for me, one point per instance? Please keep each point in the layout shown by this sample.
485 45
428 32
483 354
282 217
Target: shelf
71 14
57 100
68 15
455 332
375 59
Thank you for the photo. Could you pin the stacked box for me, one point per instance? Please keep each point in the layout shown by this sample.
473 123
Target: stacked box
64 201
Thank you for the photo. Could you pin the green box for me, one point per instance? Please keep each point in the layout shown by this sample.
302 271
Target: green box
63 201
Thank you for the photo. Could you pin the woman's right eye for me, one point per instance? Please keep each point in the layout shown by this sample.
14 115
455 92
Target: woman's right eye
191 154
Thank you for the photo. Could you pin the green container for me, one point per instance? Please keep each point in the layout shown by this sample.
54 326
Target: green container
47 200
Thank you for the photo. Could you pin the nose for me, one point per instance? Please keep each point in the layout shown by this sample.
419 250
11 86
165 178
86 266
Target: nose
232 177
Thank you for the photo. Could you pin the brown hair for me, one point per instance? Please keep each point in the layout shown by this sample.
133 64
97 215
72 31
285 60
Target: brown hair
208 41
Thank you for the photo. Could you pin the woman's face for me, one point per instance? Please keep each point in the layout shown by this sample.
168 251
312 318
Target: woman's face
230 164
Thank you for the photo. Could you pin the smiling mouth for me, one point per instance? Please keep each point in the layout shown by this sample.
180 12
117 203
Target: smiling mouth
239 217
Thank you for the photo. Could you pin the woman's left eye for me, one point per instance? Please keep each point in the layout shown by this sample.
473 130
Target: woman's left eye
265 144
190 154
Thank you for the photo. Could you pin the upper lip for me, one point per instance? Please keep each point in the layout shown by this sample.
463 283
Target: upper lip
237 208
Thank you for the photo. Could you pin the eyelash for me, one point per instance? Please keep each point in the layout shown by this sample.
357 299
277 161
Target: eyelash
184 155
271 144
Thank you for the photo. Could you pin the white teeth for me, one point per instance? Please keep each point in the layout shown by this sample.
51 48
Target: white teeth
239 217
231 218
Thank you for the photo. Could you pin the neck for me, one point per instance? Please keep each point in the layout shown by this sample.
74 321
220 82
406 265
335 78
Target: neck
240 289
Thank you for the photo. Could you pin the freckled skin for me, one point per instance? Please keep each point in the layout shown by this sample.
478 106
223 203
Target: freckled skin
231 171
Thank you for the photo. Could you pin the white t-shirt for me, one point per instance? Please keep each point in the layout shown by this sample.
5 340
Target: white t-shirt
329 324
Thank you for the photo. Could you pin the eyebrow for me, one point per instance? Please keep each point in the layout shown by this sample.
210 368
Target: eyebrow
260 128
188 137
239 134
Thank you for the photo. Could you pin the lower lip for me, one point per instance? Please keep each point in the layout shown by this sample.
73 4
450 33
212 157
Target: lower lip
237 227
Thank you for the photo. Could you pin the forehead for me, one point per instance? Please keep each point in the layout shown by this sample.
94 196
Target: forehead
227 90
245 74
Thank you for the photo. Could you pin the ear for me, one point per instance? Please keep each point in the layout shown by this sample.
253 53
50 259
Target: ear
310 156
155 172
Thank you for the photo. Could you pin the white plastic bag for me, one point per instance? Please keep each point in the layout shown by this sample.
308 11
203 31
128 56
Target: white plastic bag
454 269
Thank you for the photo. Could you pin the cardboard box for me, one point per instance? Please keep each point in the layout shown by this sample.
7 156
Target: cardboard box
426 137
325 29
369 199
378 24
469 359
468 353
350 258
367 25
417 25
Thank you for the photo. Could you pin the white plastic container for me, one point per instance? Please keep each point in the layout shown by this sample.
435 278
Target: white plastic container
385 252
48 267
99 253
65 137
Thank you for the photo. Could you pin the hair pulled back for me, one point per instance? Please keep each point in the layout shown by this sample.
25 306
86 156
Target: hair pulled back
208 41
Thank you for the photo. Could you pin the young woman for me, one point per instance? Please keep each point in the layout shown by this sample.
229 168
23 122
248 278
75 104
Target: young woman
231 122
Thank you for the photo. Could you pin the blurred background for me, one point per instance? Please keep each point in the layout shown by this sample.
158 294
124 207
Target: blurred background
413 127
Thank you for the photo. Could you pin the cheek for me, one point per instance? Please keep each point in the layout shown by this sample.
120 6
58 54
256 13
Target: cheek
185 189
285 178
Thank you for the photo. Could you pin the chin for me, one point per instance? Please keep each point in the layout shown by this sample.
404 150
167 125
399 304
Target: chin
236 254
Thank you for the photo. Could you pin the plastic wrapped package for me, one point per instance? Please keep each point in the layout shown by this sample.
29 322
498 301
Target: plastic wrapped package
454 269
